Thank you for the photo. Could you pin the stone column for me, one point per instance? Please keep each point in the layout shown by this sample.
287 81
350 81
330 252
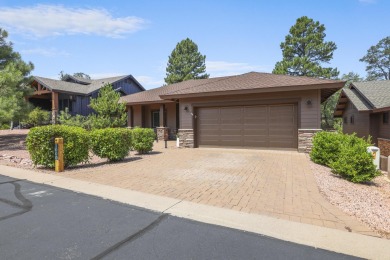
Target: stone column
162 133
54 107
305 139
186 138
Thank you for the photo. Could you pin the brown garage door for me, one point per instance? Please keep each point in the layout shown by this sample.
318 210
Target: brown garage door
248 126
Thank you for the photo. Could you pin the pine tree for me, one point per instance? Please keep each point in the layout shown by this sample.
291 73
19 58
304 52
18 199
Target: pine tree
378 60
305 50
185 62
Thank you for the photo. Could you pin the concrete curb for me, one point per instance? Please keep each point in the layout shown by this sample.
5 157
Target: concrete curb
315 236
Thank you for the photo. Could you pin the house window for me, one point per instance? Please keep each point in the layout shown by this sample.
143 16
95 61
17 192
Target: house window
155 119
65 103
345 120
352 120
385 118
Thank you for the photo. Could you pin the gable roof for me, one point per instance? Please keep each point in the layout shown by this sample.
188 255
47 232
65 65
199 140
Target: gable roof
377 93
84 87
252 82
371 96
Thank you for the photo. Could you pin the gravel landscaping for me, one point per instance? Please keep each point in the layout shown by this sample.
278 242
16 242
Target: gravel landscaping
369 202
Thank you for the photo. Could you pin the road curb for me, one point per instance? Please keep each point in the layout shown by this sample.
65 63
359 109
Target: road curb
300 233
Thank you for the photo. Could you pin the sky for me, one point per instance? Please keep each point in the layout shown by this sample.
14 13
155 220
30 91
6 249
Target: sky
111 38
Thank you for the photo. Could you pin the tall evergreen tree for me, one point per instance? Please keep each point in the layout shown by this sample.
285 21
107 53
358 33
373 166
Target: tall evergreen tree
13 82
305 50
185 62
378 60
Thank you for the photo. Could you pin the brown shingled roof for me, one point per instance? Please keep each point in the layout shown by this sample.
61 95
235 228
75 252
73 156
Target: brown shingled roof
251 82
153 95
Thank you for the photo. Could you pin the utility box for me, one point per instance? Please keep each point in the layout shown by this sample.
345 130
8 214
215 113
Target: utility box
376 155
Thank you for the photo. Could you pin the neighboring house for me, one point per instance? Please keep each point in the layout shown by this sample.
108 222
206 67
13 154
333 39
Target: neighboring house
74 93
248 110
365 108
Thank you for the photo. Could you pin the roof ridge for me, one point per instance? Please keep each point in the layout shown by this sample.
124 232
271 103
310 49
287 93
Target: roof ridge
206 83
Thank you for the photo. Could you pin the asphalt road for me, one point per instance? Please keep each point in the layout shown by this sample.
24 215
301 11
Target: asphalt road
44 222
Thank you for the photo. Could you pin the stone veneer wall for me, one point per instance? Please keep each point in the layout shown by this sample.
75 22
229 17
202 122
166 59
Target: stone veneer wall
161 132
384 146
186 138
305 139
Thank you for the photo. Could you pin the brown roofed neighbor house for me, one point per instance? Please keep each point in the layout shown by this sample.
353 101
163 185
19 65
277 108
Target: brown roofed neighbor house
365 108
249 110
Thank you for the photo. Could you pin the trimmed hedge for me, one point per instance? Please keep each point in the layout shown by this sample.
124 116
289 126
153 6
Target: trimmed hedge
143 139
346 154
111 143
40 144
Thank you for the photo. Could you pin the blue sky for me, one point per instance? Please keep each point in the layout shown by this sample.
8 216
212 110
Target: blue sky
109 38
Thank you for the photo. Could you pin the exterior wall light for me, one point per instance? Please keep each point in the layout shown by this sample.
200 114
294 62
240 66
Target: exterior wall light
186 108
308 102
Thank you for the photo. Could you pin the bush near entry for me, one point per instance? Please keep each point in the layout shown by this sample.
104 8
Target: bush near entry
346 154
142 139
111 143
40 144
326 147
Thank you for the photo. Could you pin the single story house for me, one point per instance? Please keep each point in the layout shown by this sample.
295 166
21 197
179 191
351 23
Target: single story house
260 110
365 109
74 93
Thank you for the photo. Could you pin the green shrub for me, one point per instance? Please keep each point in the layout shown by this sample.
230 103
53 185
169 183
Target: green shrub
353 161
143 139
111 143
4 126
38 117
40 144
65 118
326 147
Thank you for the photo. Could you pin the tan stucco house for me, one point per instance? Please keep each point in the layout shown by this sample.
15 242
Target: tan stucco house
365 109
254 109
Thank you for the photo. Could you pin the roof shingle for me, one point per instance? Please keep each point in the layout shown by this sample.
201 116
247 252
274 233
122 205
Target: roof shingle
88 87
247 81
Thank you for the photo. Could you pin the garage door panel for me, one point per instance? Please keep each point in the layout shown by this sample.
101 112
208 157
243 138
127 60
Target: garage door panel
249 126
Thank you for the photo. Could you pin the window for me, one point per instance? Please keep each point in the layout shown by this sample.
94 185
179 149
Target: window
345 120
385 118
352 120
155 119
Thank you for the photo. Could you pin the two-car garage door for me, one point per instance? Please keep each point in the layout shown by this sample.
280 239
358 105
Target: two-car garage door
248 126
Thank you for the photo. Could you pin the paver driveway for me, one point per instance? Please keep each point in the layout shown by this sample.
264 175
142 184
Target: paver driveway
268 182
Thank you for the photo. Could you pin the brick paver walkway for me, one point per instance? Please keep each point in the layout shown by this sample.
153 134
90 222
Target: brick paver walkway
275 183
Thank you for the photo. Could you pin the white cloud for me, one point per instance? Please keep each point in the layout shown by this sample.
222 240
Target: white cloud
224 68
51 20
51 52
149 82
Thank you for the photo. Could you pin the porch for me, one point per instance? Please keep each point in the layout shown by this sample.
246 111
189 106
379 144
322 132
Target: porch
162 117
